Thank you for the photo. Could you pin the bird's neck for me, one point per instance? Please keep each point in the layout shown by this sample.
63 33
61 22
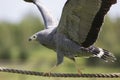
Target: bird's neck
46 38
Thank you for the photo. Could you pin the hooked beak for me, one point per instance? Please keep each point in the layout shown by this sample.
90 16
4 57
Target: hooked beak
29 39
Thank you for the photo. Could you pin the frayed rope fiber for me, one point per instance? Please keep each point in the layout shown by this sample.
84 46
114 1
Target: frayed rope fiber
65 75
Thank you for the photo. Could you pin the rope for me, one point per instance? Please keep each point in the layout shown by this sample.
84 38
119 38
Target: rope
65 75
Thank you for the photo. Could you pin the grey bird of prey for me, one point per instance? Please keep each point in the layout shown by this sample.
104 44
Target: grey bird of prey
77 30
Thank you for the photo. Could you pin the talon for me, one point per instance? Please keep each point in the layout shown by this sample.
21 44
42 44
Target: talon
47 74
79 71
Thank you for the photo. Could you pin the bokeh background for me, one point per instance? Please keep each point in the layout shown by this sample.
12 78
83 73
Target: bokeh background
19 20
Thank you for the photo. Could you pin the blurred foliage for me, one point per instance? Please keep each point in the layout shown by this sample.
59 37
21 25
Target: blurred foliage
14 38
14 48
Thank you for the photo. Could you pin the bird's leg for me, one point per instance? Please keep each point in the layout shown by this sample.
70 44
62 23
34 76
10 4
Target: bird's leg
59 61
49 71
76 65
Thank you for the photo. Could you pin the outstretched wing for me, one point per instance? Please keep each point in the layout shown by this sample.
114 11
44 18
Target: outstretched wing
49 20
82 19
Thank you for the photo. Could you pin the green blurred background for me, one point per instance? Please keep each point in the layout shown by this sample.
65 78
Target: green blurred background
17 52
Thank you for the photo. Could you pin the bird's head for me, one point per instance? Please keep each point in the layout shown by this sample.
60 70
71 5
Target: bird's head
33 37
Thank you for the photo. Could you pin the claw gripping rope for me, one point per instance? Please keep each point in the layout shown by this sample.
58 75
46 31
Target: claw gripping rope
65 75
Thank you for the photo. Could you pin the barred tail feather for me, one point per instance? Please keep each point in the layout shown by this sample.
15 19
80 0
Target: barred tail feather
107 56
103 54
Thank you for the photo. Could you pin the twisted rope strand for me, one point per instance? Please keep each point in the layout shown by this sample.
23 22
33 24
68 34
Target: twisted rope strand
65 75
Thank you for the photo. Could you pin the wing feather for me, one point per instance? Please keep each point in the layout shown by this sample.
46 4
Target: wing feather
80 20
48 19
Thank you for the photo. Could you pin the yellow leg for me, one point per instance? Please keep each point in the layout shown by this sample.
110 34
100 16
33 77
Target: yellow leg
52 68
49 72
76 65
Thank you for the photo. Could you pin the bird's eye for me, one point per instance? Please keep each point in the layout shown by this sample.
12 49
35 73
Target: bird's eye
34 36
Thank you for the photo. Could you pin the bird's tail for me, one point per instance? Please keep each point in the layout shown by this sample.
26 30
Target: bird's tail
102 54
